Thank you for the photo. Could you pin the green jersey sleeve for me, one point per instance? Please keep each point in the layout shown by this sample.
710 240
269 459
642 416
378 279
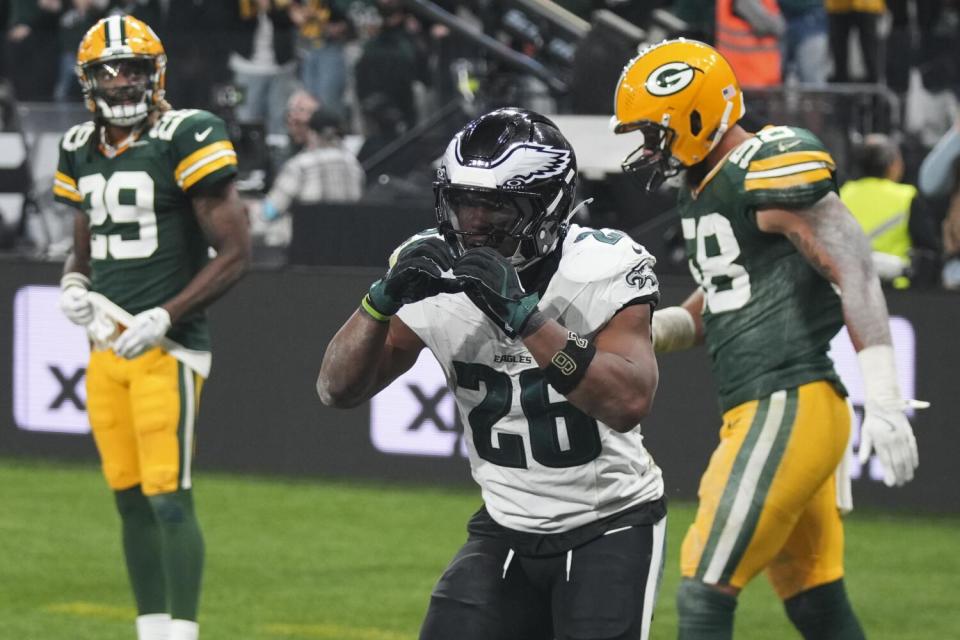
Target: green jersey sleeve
790 169
203 153
65 189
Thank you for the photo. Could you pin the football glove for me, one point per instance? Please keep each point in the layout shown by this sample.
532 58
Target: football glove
885 428
418 273
146 331
73 298
492 283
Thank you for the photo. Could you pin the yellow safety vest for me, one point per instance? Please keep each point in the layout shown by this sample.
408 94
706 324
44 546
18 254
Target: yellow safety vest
882 207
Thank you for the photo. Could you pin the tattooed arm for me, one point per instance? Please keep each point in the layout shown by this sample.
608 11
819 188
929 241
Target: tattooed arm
833 243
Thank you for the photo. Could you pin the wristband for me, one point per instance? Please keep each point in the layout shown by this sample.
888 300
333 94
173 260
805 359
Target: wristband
673 330
569 365
371 311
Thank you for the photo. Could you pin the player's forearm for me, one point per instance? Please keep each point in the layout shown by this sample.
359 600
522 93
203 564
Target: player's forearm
211 282
614 390
350 370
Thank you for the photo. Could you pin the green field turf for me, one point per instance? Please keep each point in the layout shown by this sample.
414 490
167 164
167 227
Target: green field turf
308 559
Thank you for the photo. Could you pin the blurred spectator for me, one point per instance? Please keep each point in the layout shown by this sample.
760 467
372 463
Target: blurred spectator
806 43
300 106
748 34
382 124
193 32
700 15
939 177
31 43
324 171
74 23
890 213
864 16
262 34
391 62
323 66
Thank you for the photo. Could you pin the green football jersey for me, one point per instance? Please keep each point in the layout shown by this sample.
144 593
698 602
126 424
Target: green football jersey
146 243
769 316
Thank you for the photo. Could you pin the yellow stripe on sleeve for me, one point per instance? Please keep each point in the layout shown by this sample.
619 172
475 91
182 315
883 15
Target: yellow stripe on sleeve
787 181
197 156
203 171
787 159
62 177
73 196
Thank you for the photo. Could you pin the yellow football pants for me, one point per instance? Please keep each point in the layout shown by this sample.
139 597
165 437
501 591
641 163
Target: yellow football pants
768 496
142 413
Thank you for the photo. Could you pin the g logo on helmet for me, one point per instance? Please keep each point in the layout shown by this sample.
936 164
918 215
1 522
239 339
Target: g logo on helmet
669 78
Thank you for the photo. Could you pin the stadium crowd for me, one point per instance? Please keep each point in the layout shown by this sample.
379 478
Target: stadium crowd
380 68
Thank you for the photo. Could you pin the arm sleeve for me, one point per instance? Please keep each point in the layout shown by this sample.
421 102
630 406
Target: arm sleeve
790 172
64 183
937 169
204 155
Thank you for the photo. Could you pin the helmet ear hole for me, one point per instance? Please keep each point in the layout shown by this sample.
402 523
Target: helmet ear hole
696 123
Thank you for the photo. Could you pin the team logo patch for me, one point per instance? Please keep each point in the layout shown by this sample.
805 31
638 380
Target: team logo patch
642 275
669 78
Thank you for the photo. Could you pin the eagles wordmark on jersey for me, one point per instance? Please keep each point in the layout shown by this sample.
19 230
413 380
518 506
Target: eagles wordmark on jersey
146 243
786 312
543 465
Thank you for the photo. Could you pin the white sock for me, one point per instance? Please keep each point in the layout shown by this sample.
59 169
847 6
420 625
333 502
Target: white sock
184 630
153 626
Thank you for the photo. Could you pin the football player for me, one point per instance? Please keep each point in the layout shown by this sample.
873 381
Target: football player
542 328
781 266
153 188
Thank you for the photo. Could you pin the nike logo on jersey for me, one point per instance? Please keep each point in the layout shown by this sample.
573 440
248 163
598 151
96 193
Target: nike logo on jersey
200 136
786 146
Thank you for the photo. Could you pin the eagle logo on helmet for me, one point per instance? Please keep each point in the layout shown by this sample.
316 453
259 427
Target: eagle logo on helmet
524 162
670 78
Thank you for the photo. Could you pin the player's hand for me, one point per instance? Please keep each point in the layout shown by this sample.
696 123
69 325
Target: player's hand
492 283
74 301
887 431
144 333
422 270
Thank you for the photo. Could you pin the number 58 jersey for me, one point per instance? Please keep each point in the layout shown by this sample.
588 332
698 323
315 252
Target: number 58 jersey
146 243
769 316
543 465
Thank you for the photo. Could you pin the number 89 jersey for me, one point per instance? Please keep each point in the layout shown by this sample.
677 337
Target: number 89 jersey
543 465
769 316
146 243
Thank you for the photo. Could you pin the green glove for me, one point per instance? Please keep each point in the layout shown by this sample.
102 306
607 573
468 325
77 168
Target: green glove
417 274
492 283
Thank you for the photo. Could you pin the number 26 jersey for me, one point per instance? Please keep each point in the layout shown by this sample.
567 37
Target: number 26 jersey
769 316
543 465
146 243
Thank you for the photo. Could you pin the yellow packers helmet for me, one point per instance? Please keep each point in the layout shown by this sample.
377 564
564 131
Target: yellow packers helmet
116 45
682 96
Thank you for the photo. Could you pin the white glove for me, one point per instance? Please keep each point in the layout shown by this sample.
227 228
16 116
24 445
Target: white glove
73 298
145 332
885 428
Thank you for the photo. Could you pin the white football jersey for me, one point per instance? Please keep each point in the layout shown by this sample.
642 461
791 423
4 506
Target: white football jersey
543 465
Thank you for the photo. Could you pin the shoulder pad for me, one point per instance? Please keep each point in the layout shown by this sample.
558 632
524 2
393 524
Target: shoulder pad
426 233
77 136
591 255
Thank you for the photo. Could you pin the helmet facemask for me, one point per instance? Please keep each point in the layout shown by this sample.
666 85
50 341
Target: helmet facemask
123 104
652 162
471 217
